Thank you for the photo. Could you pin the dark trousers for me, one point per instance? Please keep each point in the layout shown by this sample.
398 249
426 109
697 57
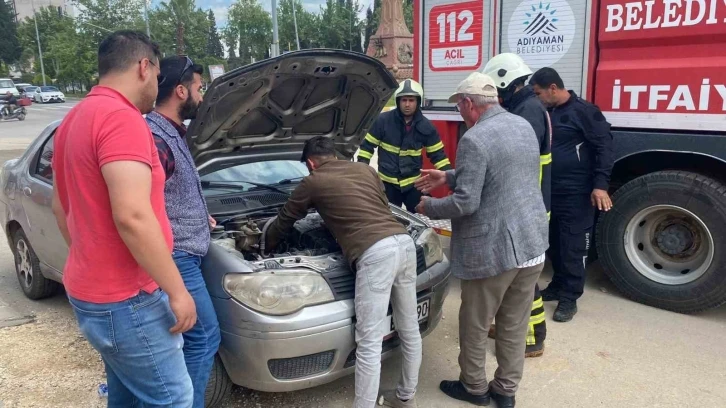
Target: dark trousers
410 197
571 225
537 329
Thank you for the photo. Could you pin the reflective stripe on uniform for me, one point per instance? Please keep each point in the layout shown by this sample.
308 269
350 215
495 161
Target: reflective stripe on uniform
390 148
365 154
544 159
537 303
442 163
388 179
412 153
433 148
371 139
410 180
549 214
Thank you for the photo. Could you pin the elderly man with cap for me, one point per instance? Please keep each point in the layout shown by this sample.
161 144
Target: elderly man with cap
499 237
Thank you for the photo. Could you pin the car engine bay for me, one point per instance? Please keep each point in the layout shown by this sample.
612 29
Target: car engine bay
310 237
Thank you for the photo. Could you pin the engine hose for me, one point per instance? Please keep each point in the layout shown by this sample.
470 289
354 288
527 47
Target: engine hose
263 237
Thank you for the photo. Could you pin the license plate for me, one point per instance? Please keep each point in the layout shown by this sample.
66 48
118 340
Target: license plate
423 308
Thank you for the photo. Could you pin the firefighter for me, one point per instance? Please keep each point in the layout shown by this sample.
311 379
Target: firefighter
401 135
582 155
510 73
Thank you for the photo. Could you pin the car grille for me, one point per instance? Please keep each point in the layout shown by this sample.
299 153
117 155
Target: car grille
265 199
343 282
420 260
298 367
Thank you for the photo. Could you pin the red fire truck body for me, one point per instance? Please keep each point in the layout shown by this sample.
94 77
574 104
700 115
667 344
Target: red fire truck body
657 70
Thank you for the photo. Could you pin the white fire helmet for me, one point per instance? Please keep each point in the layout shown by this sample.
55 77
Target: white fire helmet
505 68
409 87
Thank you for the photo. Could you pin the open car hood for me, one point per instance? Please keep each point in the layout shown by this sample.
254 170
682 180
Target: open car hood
267 110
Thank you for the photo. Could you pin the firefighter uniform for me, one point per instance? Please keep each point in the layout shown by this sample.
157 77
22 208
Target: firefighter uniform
525 104
582 161
509 71
400 149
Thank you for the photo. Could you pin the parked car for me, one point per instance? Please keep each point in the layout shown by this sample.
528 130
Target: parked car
28 91
45 94
7 85
287 321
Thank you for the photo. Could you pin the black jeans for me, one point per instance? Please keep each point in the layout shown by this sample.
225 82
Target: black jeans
571 225
411 197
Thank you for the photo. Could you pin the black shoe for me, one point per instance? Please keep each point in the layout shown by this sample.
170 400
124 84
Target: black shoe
502 400
534 350
456 390
549 295
565 311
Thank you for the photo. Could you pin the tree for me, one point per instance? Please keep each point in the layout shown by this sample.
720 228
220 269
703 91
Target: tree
231 35
340 26
214 43
308 26
98 17
10 49
179 28
253 27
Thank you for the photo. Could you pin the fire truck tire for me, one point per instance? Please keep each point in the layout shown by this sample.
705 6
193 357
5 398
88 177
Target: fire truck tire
659 243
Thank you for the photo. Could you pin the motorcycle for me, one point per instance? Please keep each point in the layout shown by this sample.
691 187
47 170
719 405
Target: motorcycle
18 113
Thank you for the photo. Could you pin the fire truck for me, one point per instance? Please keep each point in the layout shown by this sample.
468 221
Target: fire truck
657 70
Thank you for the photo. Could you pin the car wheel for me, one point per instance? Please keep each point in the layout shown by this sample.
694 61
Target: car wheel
659 242
219 386
27 267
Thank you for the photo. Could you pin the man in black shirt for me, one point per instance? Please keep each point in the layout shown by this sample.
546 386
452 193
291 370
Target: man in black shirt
582 159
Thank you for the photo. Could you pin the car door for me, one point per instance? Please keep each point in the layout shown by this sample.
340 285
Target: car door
37 190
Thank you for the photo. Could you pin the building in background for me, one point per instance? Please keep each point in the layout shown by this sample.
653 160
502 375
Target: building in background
24 8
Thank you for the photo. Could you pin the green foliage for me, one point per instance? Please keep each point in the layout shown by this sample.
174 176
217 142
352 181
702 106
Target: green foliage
10 48
214 43
179 27
252 29
340 26
308 26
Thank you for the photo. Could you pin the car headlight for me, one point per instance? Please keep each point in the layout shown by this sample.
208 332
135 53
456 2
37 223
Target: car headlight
433 252
278 292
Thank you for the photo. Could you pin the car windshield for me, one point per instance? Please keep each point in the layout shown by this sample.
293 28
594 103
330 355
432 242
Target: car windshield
6 83
31 89
48 89
268 172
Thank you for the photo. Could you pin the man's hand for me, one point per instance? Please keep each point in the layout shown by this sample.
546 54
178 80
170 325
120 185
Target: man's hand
421 207
601 200
430 180
184 310
212 222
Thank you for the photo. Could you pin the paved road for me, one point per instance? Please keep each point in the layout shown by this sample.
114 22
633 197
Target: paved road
15 134
614 353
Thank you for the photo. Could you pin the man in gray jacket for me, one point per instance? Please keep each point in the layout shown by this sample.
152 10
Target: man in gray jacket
499 237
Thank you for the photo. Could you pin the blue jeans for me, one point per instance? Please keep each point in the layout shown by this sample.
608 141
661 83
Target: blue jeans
201 342
144 361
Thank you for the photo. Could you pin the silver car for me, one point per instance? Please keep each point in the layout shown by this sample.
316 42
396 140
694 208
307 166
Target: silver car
288 320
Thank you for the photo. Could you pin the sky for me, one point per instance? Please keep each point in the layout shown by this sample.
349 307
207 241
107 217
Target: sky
220 7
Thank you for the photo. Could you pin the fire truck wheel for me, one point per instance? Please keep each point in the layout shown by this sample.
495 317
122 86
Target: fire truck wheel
658 243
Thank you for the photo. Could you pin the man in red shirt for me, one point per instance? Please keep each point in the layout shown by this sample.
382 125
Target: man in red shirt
126 292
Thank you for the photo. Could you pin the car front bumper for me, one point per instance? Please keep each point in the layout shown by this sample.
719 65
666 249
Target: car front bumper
273 360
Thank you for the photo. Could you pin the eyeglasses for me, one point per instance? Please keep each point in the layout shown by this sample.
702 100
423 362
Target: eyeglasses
159 78
457 105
